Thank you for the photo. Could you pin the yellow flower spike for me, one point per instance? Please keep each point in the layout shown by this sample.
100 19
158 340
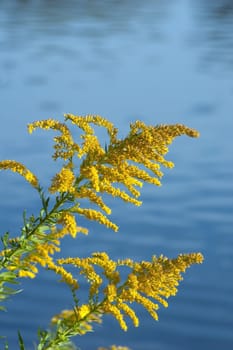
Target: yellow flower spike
58 234
113 174
144 175
69 223
44 249
109 266
96 282
87 270
119 174
40 260
92 214
110 292
91 173
65 151
134 191
101 255
109 269
176 130
81 122
112 309
95 119
65 275
51 124
148 305
85 192
19 168
91 147
63 181
146 145
64 146
39 255
129 312
132 281
116 192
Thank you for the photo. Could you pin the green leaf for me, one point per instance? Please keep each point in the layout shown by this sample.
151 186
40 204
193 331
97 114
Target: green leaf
21 342
5 239
43 228
8 276
42 213
43 337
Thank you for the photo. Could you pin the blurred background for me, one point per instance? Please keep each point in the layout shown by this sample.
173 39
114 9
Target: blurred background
159 61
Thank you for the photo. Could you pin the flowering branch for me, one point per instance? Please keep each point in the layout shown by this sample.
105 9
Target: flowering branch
89 170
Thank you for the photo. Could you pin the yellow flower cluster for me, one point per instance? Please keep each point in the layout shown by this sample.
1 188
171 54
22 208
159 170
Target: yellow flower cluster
78 319
69 223
67 277
64 146
107 187
147 145
91 148
84 121
19 168
149 283
91 173
84 192
72 316
63 181
119 169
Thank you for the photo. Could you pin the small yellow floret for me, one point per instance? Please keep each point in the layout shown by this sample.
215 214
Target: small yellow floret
25 273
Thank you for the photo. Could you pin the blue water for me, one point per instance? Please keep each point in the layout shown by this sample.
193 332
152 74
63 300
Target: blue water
158 61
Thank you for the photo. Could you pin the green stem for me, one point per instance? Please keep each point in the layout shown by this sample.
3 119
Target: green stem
69 332
58 203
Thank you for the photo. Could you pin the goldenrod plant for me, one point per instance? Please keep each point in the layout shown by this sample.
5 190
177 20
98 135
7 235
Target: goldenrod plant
88 171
